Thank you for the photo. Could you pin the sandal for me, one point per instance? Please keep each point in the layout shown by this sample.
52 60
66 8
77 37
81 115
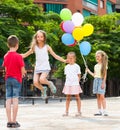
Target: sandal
44 92
9 125
15 125
65 114
78 114
53 87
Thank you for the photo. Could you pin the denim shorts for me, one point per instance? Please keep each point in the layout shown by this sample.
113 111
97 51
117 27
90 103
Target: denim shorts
97 83
13 88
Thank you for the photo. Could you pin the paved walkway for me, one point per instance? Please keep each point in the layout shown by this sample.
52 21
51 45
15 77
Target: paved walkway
43 116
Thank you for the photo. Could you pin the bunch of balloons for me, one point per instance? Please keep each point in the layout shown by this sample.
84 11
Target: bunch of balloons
74 31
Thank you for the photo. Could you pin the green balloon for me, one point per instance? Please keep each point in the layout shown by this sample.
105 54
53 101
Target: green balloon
65 14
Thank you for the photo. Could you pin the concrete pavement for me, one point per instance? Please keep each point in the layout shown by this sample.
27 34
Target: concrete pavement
43 116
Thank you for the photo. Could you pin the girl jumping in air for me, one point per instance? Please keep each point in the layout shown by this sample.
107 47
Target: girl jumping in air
42 65
72 86
99 84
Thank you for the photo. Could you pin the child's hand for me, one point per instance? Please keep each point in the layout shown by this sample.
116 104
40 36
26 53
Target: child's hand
102 86
22 55
87 70
67 61
24 74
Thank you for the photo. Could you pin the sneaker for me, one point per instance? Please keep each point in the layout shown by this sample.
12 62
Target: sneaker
15 125
65 114
98 114
9 125
44 92
52 87
78 114
105 114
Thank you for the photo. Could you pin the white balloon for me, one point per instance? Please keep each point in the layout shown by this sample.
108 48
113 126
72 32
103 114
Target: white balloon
77 19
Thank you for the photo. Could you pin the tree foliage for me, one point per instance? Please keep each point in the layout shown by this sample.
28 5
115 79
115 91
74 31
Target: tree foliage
106 37
23 18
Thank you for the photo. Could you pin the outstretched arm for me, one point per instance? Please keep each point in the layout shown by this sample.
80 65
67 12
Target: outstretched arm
55 55
91 73
30 51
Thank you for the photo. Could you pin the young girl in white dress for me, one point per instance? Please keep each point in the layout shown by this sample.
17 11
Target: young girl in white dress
42 65
72 85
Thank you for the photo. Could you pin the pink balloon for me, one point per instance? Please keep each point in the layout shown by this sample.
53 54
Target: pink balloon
68 26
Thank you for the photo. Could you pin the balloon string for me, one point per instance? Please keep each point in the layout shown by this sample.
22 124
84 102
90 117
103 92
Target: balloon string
84 75
78 43
84 61
82 57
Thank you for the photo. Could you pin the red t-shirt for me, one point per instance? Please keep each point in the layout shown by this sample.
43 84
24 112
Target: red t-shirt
13 62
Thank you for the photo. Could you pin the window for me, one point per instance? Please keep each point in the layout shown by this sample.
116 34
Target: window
109 7
86 13
53 7
91 4
101 3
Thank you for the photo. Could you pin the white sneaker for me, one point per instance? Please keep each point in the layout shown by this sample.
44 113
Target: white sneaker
105 113
98 114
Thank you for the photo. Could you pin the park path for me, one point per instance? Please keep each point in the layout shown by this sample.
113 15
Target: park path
43 116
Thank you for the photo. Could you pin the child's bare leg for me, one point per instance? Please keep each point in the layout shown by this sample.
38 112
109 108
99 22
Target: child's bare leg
68 97
8 109
99 101
43 80
37 82
67 105
78 103
103 101
15 109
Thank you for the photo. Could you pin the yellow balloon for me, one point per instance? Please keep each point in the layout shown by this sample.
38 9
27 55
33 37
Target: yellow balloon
78 34
87 29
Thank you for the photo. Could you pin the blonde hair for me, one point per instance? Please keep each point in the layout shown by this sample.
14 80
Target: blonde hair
72 53
34 39
104 61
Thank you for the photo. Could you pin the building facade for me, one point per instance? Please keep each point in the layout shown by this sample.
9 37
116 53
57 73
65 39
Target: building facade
86 7
117 6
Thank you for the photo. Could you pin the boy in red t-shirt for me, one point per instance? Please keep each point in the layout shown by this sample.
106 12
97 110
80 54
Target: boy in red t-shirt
14 67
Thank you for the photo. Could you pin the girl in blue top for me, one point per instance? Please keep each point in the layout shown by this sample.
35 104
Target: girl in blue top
99 84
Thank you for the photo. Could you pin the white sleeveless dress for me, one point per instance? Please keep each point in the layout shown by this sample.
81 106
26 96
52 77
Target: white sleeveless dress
42 60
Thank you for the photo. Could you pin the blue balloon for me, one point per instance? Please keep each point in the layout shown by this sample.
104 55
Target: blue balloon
85 48
67 39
